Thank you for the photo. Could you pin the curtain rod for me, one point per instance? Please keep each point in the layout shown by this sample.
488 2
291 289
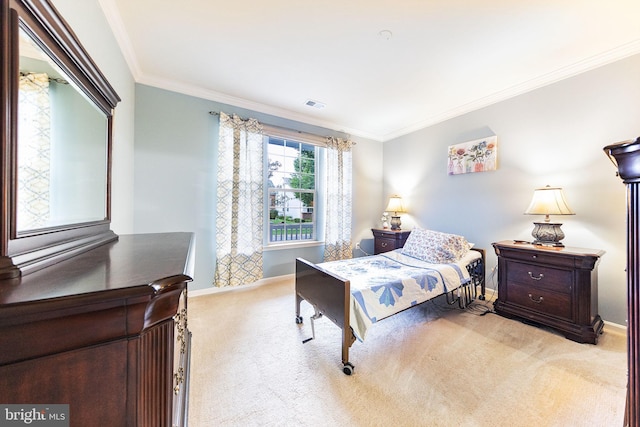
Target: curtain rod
217 113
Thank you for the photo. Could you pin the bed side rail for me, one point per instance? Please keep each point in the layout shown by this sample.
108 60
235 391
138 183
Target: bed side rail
477 271
467 293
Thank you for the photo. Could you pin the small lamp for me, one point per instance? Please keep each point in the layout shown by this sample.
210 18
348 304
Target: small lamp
548 201
395 206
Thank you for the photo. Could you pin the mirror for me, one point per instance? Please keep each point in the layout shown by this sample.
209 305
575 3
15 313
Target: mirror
56 122
62 146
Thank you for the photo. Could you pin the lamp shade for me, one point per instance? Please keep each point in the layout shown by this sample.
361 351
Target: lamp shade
395 205
548 201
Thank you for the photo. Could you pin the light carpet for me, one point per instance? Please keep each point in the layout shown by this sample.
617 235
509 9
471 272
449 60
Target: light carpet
428 366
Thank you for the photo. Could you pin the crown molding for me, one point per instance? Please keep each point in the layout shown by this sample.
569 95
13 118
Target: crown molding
113 18
211 95
112 14
572 70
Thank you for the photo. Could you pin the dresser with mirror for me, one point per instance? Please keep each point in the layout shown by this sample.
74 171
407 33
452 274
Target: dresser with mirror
88 318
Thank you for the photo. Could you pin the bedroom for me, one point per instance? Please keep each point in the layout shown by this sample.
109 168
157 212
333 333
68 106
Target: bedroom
550 135
553 135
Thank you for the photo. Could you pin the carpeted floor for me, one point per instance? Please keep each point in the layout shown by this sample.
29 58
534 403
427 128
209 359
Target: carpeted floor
428 366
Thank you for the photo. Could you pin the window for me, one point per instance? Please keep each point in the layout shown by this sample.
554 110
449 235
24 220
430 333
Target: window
291 187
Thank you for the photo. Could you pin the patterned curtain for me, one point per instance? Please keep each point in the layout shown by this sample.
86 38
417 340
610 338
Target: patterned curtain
34 152
240 202
338 223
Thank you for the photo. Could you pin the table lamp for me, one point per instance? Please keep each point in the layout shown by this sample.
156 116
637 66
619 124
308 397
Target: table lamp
548 201
395 206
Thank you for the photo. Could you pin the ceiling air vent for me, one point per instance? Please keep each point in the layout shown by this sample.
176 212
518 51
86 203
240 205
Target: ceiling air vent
315 104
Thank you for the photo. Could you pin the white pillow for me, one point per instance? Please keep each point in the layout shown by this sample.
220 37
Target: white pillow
435 247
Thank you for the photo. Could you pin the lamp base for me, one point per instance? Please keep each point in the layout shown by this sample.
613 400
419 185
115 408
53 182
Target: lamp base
547 234
395 223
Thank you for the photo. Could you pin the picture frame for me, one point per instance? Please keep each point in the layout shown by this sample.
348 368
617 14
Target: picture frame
479 155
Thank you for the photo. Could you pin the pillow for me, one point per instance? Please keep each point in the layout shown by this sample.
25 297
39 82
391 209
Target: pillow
435 247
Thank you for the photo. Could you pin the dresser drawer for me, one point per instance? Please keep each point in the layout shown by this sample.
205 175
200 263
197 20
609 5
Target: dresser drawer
384 245
387 240
539 277
541 300
549 258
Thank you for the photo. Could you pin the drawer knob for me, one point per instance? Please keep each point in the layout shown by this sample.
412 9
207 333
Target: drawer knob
383 244
536 278
537 301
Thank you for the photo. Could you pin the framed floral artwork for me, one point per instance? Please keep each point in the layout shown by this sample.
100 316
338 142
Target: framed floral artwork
479 155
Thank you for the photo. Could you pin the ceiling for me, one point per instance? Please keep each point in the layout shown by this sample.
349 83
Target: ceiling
441 59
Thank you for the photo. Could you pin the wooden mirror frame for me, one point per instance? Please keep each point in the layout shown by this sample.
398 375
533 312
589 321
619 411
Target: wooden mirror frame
24 252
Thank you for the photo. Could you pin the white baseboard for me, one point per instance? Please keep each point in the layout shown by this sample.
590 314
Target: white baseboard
261 282
619 328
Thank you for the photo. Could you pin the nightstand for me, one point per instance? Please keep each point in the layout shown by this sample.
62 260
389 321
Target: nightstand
556 287
385 240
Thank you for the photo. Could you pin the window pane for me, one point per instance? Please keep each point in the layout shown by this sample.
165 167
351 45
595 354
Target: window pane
278 180
306 199
279 202
307 161
304 167
293 214
275 163
291 154
276 147
306 181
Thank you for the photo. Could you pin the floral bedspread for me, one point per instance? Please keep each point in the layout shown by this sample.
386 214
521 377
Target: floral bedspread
385 284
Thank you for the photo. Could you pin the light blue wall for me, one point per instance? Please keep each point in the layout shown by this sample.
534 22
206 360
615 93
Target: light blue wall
553 135
175 176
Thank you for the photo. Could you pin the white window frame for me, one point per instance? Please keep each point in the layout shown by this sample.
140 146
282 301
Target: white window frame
319 198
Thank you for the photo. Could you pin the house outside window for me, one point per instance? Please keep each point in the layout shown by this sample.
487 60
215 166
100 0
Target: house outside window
292 199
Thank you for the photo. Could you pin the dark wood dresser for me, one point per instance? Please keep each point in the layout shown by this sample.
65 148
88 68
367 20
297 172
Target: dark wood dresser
556 287
105 332
385 240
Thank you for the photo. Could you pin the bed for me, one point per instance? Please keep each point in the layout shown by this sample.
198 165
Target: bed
356 293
